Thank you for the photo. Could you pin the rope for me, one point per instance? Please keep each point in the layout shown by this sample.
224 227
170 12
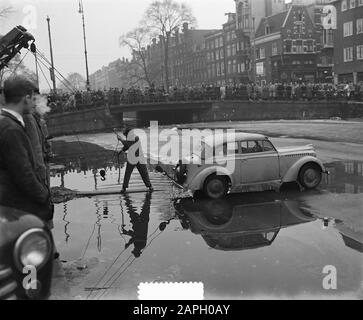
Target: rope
55 69
128 266
41 70
42 62
122 272
17 66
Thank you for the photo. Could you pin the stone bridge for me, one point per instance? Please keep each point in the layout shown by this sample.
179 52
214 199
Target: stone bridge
105 118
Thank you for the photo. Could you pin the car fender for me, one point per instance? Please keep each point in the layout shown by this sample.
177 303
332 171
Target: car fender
198 180
293 172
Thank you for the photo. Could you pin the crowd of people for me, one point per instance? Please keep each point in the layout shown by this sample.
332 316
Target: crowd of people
79 100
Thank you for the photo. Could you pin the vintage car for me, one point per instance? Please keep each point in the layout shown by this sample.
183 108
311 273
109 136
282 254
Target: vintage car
24 241
253 161
241 222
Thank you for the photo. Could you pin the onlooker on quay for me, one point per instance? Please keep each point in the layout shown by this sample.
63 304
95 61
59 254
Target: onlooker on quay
296 91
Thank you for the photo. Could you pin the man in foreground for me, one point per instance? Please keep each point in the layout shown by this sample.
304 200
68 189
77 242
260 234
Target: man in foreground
21 187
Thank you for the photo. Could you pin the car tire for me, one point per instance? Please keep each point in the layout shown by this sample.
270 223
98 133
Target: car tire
216 187
310 176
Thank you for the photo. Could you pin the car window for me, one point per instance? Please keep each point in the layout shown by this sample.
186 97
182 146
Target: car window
267 146
244 147
254 147
236 147
225 149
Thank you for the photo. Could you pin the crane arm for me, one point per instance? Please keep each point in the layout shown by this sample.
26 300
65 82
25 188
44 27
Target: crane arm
11 44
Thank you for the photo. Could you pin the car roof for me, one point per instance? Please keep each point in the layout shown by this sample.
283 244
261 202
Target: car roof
230 137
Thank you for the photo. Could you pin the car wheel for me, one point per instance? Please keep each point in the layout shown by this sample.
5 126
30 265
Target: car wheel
216 187
310 176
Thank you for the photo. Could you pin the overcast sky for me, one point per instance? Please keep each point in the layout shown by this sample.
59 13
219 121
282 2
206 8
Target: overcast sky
106 20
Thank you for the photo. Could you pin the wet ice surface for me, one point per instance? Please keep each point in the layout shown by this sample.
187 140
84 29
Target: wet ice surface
253 245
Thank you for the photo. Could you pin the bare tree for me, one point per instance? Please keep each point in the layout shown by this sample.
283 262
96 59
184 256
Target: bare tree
138 68
16 67
164 17
75 81
4 12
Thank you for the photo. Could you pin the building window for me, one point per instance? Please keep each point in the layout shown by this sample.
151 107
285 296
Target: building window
360 52
298 46
228 51
348 54
222 68
360 26
348 29
274 48
234 66
260 69
234 49
243 68
360 3
229 70
344 5
352 4
309 45
262 53
221 53
299 28
288 46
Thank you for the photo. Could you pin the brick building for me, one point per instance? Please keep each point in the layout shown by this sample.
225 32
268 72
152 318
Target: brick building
188 60
214 46
111 76
348 40
154 61
289 46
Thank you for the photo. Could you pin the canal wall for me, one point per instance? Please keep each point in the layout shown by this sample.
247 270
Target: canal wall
106 118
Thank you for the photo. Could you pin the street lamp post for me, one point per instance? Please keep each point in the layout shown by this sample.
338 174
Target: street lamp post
254 65
51 58
81 11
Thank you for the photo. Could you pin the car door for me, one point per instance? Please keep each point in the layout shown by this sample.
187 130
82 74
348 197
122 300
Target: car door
260 162
231 161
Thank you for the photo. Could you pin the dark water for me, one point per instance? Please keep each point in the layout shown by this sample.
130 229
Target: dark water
251 245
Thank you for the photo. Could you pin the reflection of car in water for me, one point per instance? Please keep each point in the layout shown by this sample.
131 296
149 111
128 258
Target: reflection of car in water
24 241
352 238
240 222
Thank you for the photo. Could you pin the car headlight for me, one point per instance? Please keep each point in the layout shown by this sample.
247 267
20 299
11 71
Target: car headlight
33 248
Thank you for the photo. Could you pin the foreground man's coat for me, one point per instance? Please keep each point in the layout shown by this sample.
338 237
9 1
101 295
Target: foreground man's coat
20 185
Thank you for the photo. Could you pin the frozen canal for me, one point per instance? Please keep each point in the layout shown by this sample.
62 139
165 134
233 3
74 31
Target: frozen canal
252 245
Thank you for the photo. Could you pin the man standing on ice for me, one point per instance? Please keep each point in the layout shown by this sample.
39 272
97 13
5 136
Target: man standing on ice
135 158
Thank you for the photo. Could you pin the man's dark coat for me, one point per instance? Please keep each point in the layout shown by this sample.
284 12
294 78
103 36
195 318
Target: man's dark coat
20 186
